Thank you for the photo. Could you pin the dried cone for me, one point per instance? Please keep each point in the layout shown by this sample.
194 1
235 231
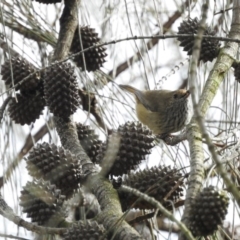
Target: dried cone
209 47
61 90
20 69
56 165
162 183
26 109
89 141
208 211
47 1
42 202
236 67
85 230
136 142
95 57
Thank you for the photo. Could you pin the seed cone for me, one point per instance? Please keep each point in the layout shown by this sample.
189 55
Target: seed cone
85 230
89 141
158 182
61 90
42 202
26 109
136 142
236 67
20 69
209 47
208 211
95 57
56 165
35 92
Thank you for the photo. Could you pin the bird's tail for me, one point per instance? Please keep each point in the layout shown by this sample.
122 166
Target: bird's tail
129 88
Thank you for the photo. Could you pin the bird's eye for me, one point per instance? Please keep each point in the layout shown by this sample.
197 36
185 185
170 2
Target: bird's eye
175 96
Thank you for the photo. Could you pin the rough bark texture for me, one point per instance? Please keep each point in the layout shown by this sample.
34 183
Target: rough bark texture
194 137
111 216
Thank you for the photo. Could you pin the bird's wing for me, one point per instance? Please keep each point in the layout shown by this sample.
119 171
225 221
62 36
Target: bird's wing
153 100
145 101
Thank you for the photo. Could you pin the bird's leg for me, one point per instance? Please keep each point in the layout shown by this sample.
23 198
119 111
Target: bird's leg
172 139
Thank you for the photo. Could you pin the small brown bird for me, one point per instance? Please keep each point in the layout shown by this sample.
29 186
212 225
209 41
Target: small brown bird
163 111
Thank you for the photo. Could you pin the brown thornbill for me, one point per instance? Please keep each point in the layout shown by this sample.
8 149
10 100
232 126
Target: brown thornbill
163 111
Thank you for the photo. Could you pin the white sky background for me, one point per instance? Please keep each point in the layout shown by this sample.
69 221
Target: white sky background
111 21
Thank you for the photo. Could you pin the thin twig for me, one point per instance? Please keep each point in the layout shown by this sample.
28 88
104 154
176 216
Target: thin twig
153 42
194 36
7 48
89 103
4 105
141 218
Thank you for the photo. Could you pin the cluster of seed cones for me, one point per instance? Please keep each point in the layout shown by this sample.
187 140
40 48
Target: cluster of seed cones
56 86
162 183
57 173
28 104
52 165
56 176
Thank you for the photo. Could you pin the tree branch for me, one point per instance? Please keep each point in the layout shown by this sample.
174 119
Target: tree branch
194 137
107 196
68 25
220 69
